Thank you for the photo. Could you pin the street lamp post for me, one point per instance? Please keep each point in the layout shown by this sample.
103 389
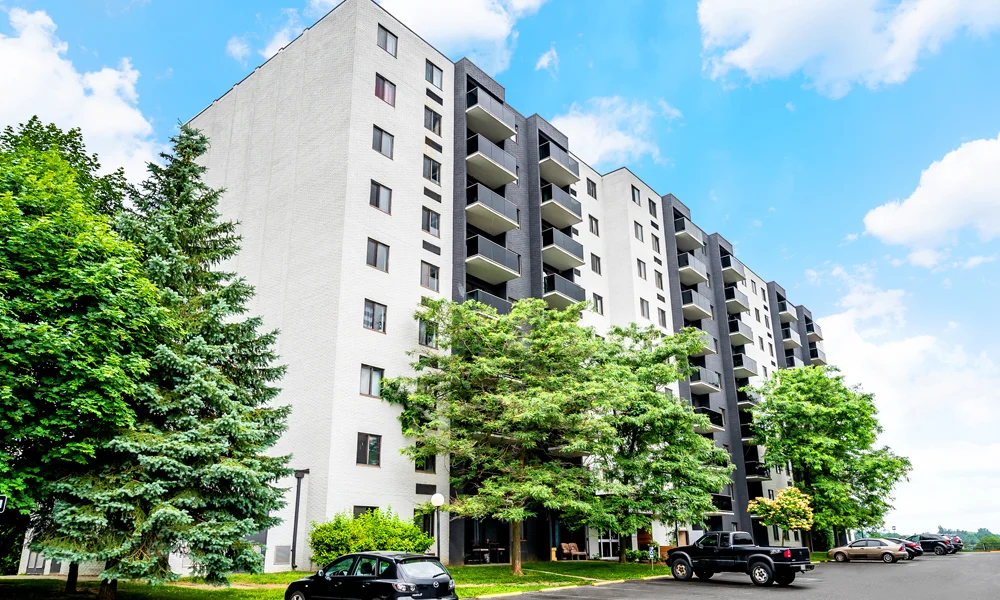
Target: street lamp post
437 500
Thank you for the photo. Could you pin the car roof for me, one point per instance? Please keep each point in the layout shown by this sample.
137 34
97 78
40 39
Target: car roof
399 556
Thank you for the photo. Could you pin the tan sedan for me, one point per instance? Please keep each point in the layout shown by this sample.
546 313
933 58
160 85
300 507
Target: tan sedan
869 549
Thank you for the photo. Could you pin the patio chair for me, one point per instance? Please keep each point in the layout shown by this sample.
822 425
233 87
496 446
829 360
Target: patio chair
574 551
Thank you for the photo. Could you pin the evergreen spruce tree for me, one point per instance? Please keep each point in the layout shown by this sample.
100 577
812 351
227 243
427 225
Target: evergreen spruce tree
193 475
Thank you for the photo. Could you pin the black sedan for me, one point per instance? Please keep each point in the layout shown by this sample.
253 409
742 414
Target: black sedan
932 542
371 575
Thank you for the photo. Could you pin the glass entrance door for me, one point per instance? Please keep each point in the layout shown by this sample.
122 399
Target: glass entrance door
608 542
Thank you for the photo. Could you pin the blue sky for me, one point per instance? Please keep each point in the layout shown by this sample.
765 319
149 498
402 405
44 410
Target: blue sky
781 124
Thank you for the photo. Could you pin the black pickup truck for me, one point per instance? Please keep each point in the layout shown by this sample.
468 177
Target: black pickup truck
735 552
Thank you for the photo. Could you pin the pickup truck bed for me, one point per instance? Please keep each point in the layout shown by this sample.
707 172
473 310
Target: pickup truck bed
735 552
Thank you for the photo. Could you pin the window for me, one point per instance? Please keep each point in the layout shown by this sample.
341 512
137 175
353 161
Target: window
770 494
656 242
430 222
658 279
432 121
641 268
385 89
428 334
636 196
433 75
430 276
386 40
369 452
382 141
514 139
770 347
774 531
761 340
378 255
595 263
638 231
375 316
432 169
663 317
427 464
796 534
591 189
644 308
767 321
742 539
765 371
652 207
381 197
753 286
710 540
371 380
757 314
595 226
598 304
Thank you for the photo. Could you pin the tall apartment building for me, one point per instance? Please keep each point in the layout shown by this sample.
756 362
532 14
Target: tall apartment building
368 171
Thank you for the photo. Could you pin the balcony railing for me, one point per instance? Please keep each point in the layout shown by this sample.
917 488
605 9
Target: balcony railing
560 250
689 236
560 208
793 362
814 332
559 285
490 261
736 301
499 304
744 366
691 271
556 165
723 503
790 337
498 168
740 333
505 214
757 471
695 306
702 377
714 416
732 269
817 356
745 399
711 345
498 122
786 312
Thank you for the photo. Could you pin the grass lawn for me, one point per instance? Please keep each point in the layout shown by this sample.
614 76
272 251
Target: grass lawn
819 557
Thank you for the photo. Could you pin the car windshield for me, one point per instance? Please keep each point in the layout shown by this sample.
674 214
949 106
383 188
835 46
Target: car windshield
421 569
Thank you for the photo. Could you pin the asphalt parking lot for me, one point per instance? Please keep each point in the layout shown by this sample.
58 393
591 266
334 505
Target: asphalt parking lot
967 576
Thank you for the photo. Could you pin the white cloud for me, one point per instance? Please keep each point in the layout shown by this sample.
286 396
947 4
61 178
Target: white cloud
610 130
318 8
974 261
813 277
549 60
284 35
790 106
238 49
913 376
668 110
101 103
483 30
850 237
946 283
834 43
956 193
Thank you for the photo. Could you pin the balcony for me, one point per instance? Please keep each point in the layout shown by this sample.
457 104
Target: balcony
744 366
756 471
690 270
786 312
732 269
556 165
488 162
715 422
723 505
491 262
817 356
790 338
704 381
711 346
740 333
814 332
496 302
793 362
736 301
489 211
560 292
489 116
560 250
746 432
560 208
695 306
746 400
689 236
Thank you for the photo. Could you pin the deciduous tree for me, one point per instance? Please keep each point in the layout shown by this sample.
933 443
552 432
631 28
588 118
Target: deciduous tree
789 510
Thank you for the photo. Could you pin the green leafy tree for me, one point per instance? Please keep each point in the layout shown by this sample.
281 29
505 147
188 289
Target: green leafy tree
789 510
657 467
371 530
511 400
192 474
828 431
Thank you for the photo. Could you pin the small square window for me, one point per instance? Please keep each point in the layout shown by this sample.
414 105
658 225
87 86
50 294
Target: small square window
385 89
369 450
381 197
387 41
371 380
434 75
598 304
427 335
432 121
382 141
430 276
592 189
427 464
375 316
430 222
432 170
378 255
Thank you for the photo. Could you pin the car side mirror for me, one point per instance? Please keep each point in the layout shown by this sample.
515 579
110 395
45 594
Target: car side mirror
319 573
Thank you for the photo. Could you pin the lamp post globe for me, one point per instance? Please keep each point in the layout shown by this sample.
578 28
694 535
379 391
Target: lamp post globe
437 500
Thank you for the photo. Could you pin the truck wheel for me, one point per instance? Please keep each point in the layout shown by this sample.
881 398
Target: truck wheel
704 575
784 579
681 569
840 557
761 574
888 558
940 551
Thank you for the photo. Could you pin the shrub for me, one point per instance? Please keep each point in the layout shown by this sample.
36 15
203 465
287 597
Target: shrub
373 530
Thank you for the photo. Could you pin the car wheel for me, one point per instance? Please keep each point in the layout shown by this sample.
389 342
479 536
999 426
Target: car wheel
784 579
940 551
704 575
761 574
888 558
840 557
681 569
297 596
909 556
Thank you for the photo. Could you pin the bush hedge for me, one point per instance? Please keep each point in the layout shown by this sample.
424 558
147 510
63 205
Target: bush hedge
373 530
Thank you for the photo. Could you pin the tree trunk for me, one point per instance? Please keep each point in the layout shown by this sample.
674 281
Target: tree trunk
71 578
108 590
784 537
515 548
621 550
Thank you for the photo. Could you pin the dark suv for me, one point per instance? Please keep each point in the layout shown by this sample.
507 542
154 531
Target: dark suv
932 542
371 575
